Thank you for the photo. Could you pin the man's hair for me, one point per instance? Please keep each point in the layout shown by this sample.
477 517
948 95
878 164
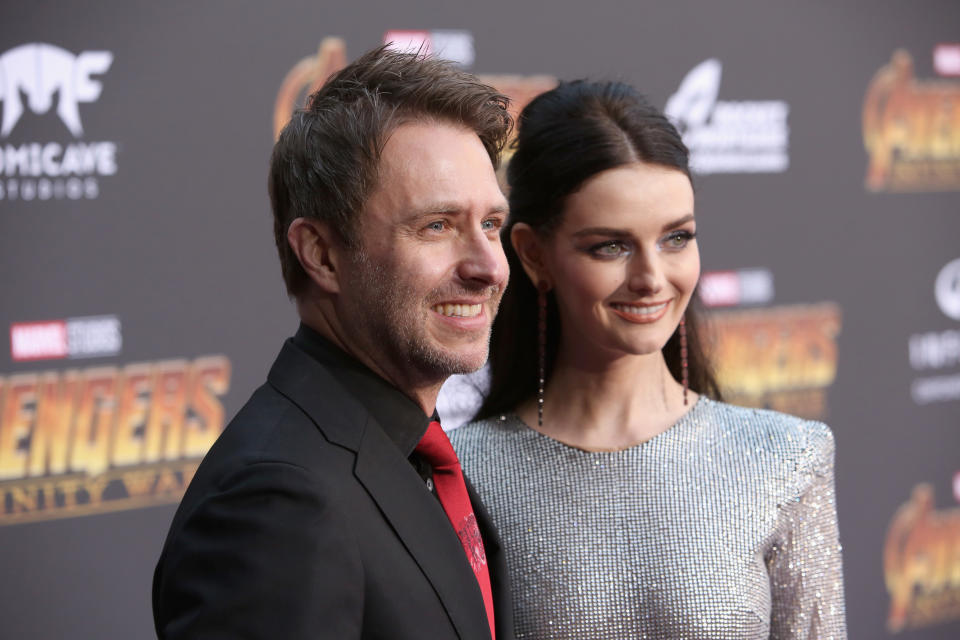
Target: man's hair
325 162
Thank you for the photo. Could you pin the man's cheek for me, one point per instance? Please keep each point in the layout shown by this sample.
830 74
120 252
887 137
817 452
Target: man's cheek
433 265
504 269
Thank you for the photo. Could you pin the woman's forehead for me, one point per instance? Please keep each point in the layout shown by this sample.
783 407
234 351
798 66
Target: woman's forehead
637 195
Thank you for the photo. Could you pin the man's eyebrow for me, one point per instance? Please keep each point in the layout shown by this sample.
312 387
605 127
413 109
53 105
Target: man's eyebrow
450 208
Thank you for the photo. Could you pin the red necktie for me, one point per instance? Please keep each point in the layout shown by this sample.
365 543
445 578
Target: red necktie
436 449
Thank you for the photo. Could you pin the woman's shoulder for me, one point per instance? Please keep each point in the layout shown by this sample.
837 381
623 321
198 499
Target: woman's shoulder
809 443
478 432
484 446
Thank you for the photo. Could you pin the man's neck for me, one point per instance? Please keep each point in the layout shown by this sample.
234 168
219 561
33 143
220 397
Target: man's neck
424 394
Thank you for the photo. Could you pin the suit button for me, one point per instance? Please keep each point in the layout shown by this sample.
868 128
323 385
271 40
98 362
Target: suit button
430 485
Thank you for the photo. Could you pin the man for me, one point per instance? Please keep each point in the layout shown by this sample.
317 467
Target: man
317 513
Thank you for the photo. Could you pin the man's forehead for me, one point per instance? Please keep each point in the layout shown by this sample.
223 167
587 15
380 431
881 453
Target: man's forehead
425 141
437 167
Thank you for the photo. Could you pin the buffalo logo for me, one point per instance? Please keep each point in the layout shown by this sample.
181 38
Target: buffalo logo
921 562
911 130
42 70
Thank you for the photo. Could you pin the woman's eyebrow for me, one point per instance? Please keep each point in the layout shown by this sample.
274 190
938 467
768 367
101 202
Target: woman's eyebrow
603 231
679 222
623 233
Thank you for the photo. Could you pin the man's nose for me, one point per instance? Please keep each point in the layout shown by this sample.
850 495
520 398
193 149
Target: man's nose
483 260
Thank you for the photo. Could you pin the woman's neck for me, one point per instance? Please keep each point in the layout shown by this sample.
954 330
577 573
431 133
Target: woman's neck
611 405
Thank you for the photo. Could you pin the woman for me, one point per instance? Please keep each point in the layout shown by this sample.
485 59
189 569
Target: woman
632 502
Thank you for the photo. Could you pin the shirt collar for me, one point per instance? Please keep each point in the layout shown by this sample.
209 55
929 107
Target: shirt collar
400 417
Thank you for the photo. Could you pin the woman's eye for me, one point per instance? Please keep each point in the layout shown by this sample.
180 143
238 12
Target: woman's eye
677 240
609 249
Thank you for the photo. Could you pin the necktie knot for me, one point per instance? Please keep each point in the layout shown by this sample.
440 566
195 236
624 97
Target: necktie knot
436 449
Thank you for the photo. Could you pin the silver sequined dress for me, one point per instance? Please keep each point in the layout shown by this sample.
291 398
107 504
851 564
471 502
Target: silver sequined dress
723 526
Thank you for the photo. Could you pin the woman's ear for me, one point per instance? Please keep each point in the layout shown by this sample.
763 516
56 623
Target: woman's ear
319 250
529 249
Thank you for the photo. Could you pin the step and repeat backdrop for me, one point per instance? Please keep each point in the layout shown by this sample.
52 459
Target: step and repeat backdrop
142 300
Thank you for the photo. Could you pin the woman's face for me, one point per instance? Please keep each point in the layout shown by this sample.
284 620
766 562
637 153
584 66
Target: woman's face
624 261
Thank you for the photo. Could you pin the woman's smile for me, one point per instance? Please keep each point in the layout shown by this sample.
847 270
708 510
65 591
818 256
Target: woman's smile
640 313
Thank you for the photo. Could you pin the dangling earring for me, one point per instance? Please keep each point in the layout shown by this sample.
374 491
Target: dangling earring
542 289
685 372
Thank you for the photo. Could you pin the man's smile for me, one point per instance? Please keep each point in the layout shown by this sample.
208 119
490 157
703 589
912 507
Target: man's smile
458 310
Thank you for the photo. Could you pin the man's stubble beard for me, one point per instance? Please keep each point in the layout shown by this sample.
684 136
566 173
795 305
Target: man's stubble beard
393 317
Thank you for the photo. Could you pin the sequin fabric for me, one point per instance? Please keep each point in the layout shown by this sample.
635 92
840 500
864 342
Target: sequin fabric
723 526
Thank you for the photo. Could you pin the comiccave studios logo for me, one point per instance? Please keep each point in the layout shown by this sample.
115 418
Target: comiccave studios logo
921 563
34 77
311 72
782 358
728 136
939 351
911 129
106 438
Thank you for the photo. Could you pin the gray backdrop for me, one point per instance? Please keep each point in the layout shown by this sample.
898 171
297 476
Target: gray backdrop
144 300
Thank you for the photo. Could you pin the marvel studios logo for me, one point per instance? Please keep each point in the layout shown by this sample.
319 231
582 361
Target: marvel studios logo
734 288
455 45
946 59
89 337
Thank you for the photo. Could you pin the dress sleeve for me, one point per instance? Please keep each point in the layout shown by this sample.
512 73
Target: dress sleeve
805 566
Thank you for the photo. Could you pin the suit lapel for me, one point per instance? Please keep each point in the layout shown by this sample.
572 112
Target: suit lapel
422 526
413 513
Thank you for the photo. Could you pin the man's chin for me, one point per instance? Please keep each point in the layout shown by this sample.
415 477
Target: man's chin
454 361
469 367
467 363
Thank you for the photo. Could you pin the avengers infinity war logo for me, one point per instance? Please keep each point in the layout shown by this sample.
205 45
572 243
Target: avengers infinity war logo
911 130
106 438
781 358
921 563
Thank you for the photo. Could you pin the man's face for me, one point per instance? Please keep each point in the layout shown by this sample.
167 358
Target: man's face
422 291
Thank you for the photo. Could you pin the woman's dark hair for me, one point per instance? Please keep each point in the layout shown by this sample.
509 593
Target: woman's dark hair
566 136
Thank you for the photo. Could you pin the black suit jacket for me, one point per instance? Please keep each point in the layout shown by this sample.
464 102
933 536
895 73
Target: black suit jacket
305 520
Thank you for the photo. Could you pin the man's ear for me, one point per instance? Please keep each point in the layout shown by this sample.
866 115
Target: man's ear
529 249
320 251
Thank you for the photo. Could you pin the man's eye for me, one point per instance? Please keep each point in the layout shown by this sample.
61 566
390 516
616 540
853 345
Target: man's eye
436 226
490 225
